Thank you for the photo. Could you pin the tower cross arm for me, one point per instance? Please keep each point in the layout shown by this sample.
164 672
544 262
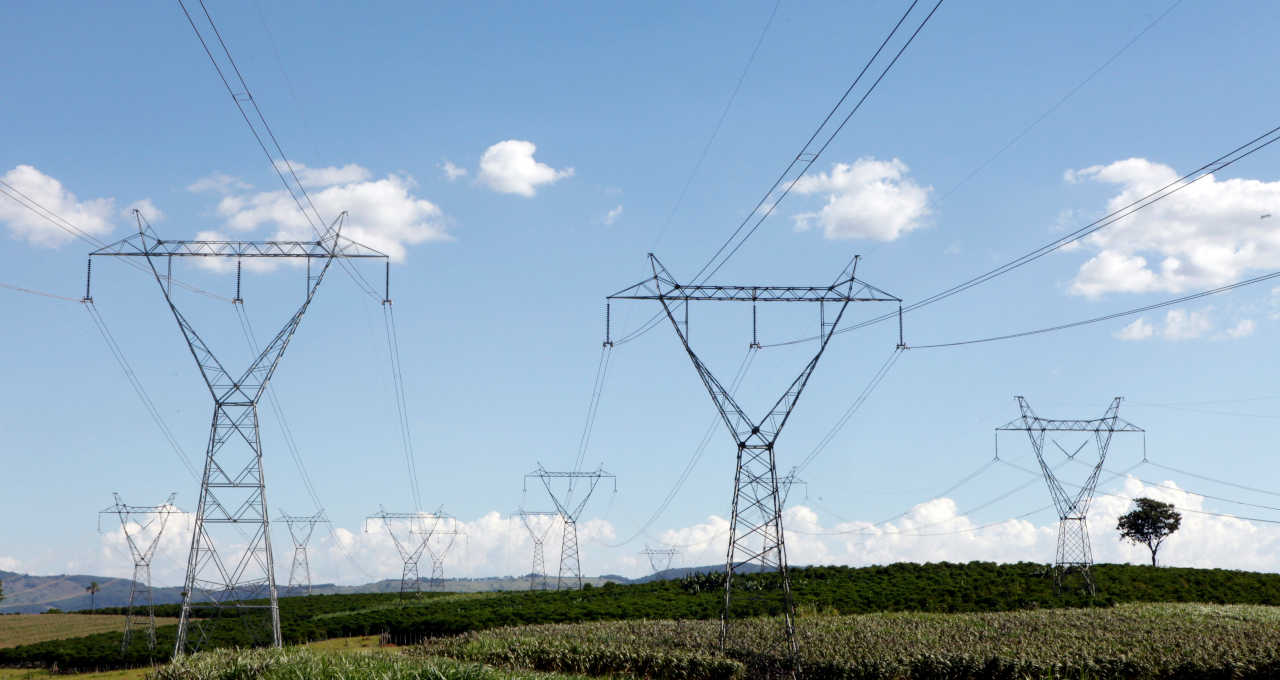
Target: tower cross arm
850 290
1047 425
138 246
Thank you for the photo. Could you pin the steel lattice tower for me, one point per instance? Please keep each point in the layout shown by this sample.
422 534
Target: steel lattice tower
1074 551
755 525
570 561
301 527
417 533
539 525
443 526
136 521
660 558
232 509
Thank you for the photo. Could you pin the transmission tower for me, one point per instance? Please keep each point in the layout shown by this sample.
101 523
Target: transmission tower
301 527
570 563
755 525
143 525
1074 552
442 526
789 480
539 525
411 545
660 558
232 509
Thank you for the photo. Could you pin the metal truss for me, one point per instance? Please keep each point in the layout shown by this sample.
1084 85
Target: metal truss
570 562
786 482
1074 552
755 526
301 527
137 522
538 524
416 533
438 525
660 558
232 511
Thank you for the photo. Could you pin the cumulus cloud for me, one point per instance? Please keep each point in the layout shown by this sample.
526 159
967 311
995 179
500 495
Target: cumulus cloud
452 172
1180 324
1140 329
1243 329
1208 234
868 198
612 216
92 217
148 209
382 213
218 182
508 167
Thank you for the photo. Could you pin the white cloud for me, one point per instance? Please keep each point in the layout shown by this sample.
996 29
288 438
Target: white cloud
8 563
1243 329
452 171
869 199
148 209
218 182
613 215
1179 324
323 177
92 217
382 213
1140 329
508 167
1208 234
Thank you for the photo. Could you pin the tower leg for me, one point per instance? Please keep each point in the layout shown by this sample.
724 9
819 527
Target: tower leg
570 566
756 537
410 581
232 512
1075 553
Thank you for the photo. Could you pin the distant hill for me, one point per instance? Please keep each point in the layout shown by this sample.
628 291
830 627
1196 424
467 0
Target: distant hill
28 594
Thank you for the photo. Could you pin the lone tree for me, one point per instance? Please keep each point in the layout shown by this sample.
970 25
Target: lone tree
1149 523
93 589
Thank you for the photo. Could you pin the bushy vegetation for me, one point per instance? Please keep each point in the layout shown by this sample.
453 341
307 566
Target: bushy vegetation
973 587
1147 641
300 662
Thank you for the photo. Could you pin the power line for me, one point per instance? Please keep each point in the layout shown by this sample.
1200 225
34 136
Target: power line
853 408
41 293
1211 479
799 165
1107 317
1222 162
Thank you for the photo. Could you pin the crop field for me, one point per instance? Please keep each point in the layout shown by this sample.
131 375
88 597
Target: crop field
1148 641
25 629
293 663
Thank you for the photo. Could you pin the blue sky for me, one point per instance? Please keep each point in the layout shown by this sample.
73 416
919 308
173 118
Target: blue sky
578 127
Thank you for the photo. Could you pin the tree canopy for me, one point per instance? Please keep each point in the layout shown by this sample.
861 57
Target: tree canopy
1149 523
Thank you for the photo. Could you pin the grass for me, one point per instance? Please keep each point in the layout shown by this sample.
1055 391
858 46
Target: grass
43 674
24 629
1148 641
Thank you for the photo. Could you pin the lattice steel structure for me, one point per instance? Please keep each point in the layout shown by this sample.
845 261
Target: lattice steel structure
570 562
411 546
143 525
660 558
1074 551
439 525
538 524
755 525
301 527
232 508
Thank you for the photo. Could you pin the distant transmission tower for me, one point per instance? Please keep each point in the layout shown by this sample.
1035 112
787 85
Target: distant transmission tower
410 540
143 525
570 563
660 558
1074 552
539 525
301 527
755 525
444 527
232 509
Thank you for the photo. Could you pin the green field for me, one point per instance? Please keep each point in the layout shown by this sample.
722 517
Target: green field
939 588
25 629
1150 641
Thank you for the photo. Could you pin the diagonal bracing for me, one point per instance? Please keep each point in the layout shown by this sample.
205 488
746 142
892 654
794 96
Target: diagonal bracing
538 524
230 568
143 525
569 511
755 526
301 528
1074 552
